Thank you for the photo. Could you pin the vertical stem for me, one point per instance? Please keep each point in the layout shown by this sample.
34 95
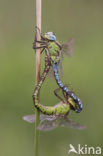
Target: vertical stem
37 113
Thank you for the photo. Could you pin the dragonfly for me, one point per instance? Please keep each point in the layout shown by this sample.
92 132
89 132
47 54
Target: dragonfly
54 50
54 116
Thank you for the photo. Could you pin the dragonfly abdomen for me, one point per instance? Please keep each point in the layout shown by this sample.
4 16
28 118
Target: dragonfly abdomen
58 80
77 100
39 84
65 89
46 109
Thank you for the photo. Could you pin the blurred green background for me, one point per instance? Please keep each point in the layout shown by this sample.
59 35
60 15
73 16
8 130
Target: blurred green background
80 19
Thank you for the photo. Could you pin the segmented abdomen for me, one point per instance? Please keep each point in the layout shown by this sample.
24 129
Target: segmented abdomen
38 86
65 89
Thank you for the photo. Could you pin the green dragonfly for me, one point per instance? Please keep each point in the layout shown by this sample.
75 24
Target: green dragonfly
54 50
54 116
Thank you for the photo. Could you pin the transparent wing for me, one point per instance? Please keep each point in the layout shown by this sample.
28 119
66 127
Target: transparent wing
71 124
51 73
68 48
47 125
60 69
31 118
50 117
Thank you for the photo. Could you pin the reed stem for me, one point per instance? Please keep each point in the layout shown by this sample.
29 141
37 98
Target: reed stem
37 113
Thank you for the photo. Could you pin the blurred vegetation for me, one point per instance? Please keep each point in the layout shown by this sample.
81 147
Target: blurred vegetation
82 20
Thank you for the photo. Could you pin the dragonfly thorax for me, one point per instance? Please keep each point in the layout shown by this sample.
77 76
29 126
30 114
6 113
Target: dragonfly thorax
54 52
62 109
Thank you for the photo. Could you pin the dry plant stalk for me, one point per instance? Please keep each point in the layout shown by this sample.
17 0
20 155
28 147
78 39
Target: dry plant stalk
37 113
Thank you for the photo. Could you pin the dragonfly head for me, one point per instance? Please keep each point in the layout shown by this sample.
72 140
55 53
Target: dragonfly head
50 36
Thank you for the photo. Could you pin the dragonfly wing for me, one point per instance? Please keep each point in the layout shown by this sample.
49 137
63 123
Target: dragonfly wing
60 69
31 118
67 48
71 124
50 117
47 125
51 73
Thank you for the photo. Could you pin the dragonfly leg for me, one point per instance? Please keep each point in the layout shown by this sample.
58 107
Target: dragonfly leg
37 28
42 38
42 42
42 50
40 34
64 94
42 45
35 47
55 92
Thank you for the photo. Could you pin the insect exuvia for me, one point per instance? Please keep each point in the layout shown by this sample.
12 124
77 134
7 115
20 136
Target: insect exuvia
55 50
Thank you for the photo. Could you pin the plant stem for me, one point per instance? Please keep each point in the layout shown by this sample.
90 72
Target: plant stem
37 113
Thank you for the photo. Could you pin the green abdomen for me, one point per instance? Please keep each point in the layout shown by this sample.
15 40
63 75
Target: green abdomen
48 110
